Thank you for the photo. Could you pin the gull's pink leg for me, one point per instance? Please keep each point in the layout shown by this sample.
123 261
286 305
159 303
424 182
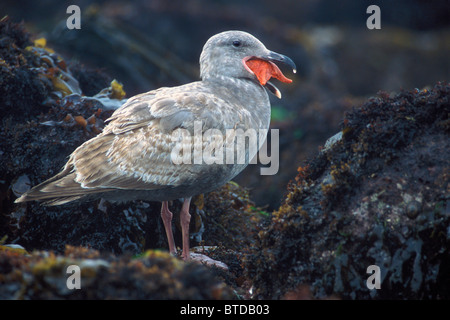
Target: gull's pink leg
166 216
185 218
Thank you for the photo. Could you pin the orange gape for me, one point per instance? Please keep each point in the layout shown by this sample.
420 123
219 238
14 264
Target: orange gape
264 70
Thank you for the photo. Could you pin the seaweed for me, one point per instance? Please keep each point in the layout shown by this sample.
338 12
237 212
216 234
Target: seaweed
378 195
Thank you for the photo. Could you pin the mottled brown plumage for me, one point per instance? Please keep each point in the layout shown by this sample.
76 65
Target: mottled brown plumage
131 158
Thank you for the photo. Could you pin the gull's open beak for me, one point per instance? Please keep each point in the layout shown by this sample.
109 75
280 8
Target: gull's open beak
277 57
272 57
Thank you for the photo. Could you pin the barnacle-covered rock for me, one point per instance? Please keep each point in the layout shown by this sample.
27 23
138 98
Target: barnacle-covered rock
378 195
22 90
153 275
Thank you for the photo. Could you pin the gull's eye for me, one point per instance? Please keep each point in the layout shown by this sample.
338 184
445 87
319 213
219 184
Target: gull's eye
236 43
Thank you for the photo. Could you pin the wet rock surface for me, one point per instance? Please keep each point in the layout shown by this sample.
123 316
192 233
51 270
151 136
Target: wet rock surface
378 196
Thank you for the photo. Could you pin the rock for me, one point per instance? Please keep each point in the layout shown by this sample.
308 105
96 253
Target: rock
153 275
378 196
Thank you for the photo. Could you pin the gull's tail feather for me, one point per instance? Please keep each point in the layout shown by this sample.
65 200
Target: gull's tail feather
58 190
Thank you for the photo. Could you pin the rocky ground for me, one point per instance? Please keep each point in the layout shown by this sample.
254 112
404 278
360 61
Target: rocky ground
375 194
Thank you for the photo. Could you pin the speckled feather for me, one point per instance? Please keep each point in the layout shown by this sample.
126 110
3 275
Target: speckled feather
131 158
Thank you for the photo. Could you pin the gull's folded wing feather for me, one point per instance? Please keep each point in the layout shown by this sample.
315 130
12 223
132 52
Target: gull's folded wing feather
134 150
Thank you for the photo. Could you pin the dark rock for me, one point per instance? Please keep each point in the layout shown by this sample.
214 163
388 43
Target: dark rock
21 89
379 196
153 275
